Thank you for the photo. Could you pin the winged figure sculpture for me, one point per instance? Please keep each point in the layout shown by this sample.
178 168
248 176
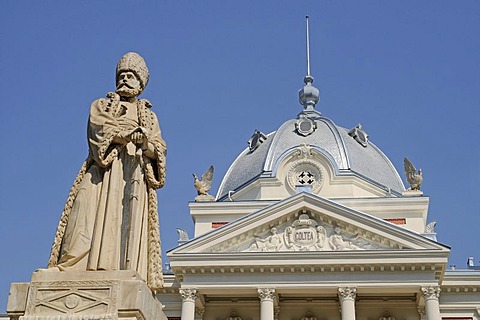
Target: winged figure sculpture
414 177
430 228
203 186
182 235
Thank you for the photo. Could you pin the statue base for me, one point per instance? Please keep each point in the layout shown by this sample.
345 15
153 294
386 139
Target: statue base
82 295
204 198
412 193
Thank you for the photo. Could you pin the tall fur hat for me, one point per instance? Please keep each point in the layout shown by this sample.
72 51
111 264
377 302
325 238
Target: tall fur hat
134 62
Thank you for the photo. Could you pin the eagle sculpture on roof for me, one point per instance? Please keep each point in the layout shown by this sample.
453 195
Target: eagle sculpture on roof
414 177
203 186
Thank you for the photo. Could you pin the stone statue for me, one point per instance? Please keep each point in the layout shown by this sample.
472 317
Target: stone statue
203 186
430 228
414 177
110 220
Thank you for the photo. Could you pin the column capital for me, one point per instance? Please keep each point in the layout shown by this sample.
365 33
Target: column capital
266 294
188 294
347 293
431 292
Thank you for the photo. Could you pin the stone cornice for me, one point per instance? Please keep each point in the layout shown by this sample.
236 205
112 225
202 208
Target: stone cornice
310 262
405 257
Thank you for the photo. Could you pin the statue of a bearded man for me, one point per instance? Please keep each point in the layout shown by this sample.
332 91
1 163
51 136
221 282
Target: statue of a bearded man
110 220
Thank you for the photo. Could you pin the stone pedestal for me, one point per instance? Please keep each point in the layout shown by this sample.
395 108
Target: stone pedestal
412 193
83 295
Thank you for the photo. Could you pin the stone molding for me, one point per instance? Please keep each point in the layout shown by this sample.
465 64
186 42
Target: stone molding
266 294
188 294
347 293
431 292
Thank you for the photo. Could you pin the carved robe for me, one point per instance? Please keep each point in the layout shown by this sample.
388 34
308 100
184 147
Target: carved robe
110 220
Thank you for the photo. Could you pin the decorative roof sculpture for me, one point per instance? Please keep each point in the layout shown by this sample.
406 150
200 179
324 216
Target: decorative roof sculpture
414 177
203 186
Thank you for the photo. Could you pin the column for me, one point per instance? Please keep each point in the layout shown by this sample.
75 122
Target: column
347 299
266 296
188 303
432 306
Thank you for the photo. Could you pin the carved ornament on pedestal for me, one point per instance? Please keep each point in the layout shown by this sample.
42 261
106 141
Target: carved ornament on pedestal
73 298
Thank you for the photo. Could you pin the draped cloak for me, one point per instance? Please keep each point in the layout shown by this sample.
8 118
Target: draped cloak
110 220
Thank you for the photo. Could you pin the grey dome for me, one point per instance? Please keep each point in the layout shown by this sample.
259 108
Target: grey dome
345 153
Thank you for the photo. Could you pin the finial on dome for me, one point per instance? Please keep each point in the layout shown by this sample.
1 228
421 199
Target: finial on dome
309 95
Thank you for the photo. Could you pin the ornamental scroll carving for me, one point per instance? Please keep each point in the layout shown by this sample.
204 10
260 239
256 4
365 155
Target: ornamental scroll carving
306 234
347 293
266 294
188 294
431 292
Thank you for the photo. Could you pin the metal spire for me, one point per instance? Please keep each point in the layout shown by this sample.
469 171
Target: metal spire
309 95
308 48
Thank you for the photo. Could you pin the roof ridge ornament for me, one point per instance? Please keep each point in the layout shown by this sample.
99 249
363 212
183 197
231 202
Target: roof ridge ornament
308 95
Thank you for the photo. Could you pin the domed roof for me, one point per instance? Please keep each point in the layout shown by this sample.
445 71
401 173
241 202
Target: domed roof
347 155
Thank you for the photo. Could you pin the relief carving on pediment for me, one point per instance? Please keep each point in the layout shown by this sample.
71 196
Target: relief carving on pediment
306 234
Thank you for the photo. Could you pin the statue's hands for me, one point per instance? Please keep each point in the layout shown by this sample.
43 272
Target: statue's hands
138 136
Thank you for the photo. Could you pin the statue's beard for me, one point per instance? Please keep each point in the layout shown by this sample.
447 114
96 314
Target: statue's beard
124 90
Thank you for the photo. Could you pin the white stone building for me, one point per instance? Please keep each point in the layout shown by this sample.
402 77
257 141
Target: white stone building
312 221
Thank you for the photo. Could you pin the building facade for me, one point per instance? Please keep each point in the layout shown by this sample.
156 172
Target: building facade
313 221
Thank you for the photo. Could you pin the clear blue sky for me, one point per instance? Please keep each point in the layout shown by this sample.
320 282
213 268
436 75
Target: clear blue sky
409 71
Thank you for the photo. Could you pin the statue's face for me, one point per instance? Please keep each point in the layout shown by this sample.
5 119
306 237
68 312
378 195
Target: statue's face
128 84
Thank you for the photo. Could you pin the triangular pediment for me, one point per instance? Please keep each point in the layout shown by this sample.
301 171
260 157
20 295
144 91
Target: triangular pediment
307 223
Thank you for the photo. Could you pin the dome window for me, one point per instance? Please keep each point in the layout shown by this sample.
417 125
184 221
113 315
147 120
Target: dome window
305 172
359 135
256 140
305 126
